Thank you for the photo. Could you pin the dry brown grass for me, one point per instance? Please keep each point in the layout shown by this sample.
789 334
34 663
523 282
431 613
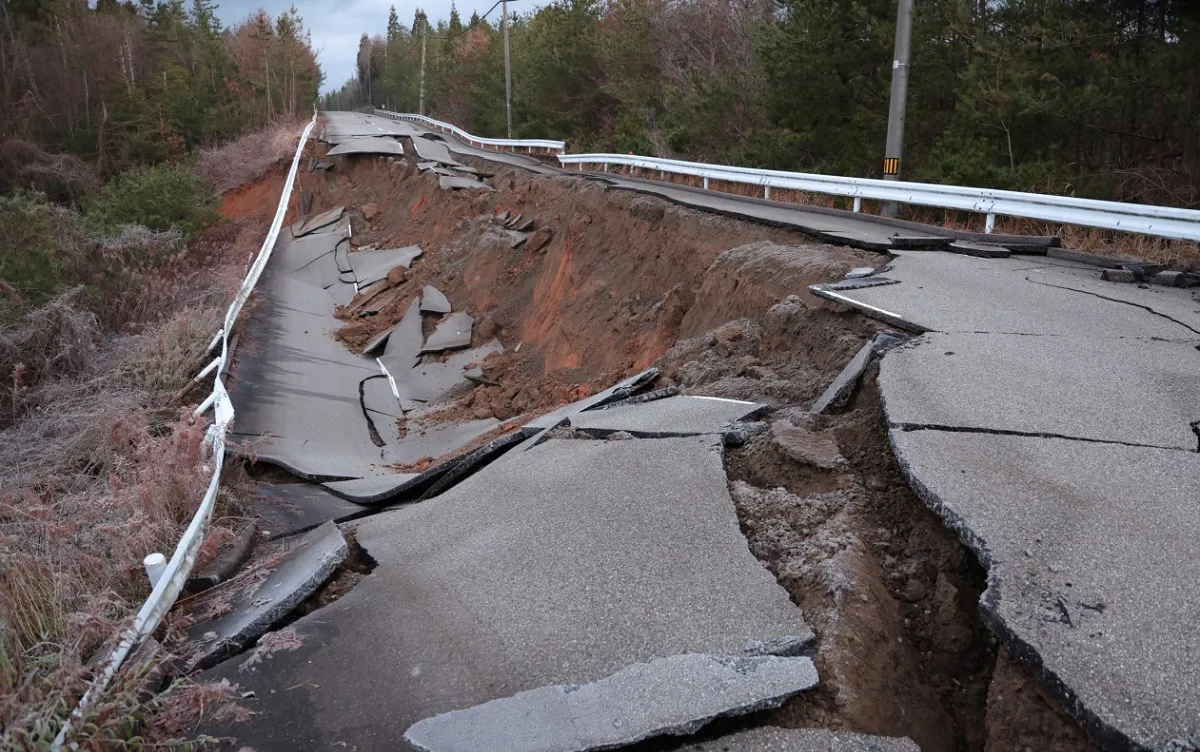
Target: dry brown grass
248 158
1175 254
95 473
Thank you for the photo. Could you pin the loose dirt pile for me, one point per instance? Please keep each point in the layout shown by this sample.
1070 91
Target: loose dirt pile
611 283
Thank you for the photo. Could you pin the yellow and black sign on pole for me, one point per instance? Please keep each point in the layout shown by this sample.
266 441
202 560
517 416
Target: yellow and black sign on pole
891 166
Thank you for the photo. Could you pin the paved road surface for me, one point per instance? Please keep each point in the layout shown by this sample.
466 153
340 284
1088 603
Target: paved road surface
1048 417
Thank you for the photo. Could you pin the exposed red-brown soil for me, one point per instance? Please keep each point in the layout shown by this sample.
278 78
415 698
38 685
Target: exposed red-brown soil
255 199
722 308
620 281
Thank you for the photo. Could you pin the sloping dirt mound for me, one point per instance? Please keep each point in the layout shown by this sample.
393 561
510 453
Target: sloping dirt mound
620 280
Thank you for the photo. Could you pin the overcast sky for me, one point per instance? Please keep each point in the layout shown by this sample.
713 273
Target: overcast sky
336 25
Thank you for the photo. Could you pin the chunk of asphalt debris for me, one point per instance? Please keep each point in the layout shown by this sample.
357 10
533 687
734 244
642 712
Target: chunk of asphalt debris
860 271
457 183
1118 275
843 384
619 391
1175 279
978 250
676 695
657 394
857 284
1082 257
806 447
671 416
404 342
839 390
885 341
434 300
227 562
773 739
373 266
453 332
299 574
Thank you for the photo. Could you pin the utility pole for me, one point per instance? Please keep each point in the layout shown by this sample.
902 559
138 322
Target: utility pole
424 33
507 69
896 112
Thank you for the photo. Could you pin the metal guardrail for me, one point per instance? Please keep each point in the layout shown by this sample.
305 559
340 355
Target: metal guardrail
171 583
513 144
1160 221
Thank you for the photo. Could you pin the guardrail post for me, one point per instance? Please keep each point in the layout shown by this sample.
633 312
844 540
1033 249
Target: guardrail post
706 184
767 192
858 203
606 166
990 224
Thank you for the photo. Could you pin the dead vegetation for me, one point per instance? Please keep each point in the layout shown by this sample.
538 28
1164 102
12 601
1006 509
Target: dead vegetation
248 158
98 469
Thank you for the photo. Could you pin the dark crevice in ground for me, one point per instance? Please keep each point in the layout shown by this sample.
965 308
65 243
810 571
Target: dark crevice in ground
376 439
1146 308
890 592
1028 434
358 564
1082 728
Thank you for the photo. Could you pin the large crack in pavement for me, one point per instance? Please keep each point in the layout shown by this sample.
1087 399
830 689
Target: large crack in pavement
1033 434
515 569
1144 307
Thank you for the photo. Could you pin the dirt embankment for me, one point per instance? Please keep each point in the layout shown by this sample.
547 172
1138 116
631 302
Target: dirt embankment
617 282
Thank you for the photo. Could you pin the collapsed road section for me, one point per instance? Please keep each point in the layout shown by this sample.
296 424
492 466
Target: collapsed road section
558 449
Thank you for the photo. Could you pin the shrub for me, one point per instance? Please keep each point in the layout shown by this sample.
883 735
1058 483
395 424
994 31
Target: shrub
161 197
30 268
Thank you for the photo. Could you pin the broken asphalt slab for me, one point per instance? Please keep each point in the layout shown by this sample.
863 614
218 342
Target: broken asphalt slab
671 416
452 332
321 220
1117 390
404 342
285 509
429 150
676 695
458 182
434 383
773 739
1091 577
842 386
434 300
367 145
372 266
561 565
948 292
301 571
619 391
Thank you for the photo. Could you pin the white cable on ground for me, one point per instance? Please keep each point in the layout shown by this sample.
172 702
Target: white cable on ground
164 594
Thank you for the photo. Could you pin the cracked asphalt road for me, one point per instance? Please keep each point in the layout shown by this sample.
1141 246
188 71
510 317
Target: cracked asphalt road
1047 417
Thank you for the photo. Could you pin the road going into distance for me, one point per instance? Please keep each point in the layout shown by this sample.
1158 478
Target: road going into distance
585 461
